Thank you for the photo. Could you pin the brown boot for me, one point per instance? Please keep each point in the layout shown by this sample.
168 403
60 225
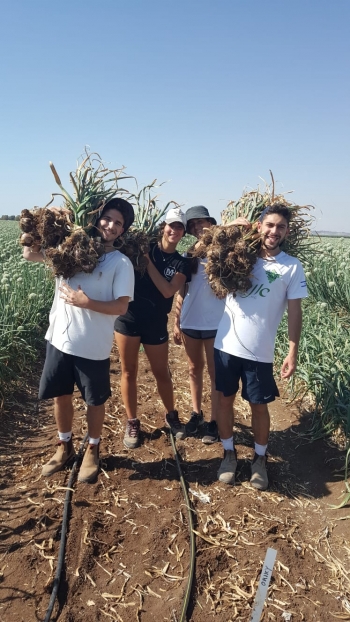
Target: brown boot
65 452
89 467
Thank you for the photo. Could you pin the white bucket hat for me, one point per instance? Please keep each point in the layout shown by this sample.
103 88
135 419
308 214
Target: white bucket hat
175 215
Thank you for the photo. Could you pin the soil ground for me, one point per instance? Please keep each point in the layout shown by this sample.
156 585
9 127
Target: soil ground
127 549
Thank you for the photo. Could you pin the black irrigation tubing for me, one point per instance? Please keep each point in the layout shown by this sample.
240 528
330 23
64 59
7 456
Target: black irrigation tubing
190 528
60 560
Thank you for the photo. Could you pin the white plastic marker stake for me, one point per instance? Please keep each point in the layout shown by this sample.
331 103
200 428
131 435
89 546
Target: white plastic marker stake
264 583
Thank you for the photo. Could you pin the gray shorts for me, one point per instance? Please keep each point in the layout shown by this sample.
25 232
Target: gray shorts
199 334
62 371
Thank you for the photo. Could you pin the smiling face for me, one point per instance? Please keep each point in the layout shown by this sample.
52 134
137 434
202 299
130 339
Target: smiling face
196 226
174 232
110 225
273 230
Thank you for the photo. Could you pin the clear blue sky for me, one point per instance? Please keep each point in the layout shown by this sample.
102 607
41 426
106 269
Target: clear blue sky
207 94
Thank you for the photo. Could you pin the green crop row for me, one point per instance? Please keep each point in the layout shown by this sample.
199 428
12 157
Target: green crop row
324 352
26 292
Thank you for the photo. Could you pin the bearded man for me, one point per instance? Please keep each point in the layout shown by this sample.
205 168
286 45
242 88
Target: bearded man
245 340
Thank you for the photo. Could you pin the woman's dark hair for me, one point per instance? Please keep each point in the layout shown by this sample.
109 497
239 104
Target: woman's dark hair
194 261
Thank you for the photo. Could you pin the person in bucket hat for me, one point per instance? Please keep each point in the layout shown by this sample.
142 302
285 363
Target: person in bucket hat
197 316
198 212
146 322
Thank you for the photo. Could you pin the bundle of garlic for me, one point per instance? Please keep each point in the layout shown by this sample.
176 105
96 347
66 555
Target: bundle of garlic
68 235
232 250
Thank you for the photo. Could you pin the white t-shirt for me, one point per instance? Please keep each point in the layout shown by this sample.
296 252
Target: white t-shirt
201 309
86 333
250 321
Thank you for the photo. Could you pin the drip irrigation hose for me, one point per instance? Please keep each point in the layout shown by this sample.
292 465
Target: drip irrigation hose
190 528
60 560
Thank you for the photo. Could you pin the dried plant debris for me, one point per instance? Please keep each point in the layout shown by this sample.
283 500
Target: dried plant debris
134 244
233 250
230 258
67 235
233 588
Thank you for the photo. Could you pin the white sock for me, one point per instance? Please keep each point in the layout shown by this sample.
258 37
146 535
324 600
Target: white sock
94 441
65 436
260 449
227 443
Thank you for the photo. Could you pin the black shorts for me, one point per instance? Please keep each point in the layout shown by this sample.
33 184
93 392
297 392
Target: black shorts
62 371
199 334
258 383
152 331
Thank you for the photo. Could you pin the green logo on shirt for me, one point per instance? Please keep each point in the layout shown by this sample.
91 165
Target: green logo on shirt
257 289
272 276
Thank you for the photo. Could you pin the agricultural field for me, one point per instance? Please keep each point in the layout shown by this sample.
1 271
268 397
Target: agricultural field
127 552
324 356
25 297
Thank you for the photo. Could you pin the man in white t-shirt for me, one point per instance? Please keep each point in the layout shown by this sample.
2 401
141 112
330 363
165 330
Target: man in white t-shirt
244 345
80 338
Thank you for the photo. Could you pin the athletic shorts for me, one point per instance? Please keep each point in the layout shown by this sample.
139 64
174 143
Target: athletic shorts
62 371
258 383
152 332
199 334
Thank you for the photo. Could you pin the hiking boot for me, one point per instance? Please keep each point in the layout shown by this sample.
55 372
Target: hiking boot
228 466
65 452
173 422
89 467
193 424
211 433
132 434
259 477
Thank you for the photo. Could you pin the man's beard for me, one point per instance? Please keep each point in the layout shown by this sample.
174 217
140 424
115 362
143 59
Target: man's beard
276 244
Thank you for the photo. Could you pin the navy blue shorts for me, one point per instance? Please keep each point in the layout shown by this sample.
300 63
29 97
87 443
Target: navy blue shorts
258 383
62 371
152 331
199 334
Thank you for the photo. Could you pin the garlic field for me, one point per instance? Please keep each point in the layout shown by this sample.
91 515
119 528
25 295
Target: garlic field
26 291
324 352
323 372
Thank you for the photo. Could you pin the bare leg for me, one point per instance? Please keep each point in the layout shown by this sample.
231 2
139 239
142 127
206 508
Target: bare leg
194 351
215 395
158 358
63 411
95 417
225 416
260 423
129 351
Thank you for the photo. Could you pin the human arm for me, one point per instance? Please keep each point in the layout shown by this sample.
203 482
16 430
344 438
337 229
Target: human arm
294 331
166 288
78 298
33 253
179 300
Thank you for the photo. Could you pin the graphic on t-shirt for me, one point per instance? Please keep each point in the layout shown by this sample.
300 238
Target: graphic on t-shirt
169 272
257 289
272 276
